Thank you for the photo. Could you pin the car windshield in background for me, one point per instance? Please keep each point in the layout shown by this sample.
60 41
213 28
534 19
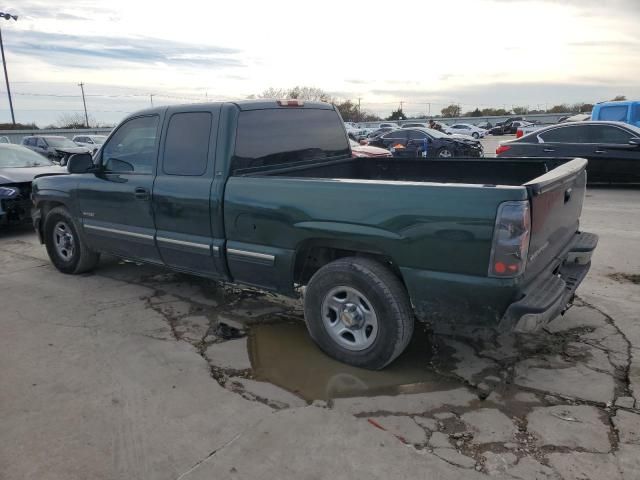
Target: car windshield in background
14 156
99 139
288 136
60 142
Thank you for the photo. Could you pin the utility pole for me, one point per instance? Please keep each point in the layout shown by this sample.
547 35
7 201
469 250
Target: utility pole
359 115
151 98
7 16
428 109
401 105
86 116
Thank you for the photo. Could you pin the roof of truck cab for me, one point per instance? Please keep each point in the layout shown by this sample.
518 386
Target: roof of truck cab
243 105
273 103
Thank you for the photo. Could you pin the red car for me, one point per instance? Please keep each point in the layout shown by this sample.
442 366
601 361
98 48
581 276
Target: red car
361 151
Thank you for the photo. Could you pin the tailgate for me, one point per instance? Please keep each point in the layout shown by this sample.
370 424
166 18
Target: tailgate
556 205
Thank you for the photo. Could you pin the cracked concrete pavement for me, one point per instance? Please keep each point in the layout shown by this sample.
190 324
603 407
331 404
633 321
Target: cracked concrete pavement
137 372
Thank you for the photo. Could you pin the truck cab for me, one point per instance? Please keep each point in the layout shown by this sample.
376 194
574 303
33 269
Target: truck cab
622 111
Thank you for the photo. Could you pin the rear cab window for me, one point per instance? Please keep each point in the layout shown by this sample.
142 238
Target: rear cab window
285 137
614 113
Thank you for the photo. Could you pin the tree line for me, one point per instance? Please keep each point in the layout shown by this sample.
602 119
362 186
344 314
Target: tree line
351 112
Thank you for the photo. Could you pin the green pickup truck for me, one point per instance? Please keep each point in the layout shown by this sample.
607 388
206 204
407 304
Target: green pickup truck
266 193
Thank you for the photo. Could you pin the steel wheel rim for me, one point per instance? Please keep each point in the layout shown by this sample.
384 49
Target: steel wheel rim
445 154
349 318
63 240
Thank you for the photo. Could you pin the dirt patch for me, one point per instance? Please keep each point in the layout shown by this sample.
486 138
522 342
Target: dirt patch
625 277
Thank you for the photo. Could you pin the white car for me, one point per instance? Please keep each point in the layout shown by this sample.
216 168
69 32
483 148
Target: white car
466 129
92 142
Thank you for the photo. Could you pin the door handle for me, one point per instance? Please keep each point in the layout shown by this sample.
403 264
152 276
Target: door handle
600 151
141 193
548 150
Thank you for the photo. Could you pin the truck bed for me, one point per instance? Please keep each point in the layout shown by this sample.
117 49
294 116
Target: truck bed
483 171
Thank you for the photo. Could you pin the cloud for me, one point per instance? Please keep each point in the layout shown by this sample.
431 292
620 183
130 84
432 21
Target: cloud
92 51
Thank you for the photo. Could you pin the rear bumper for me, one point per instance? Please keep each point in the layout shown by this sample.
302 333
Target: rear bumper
552 293
459 304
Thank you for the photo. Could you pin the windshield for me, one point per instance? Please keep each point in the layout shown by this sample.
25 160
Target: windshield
14 156
99 139
60 142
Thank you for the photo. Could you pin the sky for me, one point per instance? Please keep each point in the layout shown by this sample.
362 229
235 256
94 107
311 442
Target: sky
426 54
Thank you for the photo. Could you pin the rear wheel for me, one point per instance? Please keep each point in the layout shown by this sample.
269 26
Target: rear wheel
358 312
444 152
475 135
66 248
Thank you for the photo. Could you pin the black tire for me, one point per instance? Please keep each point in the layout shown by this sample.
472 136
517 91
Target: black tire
80 258
475 135
444 152
387 297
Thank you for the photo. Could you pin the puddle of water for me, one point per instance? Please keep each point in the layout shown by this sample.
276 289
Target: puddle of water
285 355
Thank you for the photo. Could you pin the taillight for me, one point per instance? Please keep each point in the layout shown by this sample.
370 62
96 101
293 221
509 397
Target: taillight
502 149
291 103
510 240
519 133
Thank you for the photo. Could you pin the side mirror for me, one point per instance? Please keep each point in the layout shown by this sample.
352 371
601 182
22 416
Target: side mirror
635 141
80 163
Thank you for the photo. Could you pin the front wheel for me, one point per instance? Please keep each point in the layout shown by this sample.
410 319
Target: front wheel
358 312
475 135
66 248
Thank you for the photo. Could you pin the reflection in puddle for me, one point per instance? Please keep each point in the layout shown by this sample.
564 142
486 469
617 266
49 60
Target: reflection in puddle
285 355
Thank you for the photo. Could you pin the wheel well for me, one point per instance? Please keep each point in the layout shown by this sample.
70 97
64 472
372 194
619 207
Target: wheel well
310 259
48 205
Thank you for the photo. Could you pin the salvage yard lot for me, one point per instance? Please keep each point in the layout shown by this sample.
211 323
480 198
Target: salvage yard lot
137 372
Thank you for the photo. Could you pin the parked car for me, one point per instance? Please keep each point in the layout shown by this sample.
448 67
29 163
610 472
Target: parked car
361 151
526 130
18 167
55 148
389 125
509 127
485 125
626 111
379 132
578 117
466 129
438 144
612 148
414 125
92 142
265 193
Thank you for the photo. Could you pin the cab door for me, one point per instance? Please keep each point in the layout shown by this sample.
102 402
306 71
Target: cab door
182 201
115 203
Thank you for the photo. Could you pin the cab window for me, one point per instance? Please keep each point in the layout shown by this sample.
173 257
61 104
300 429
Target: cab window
133 147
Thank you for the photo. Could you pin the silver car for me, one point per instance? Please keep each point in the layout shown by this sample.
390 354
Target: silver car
92 142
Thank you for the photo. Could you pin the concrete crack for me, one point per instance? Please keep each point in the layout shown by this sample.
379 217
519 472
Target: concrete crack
209 456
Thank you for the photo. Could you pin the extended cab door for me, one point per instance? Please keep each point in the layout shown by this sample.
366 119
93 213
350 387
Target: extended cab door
115 203
187 237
